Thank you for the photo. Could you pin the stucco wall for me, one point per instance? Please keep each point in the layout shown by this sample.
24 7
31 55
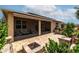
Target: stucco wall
10 22
53 25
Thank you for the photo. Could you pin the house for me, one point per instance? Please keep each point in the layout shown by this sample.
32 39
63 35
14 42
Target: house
26 28
25 25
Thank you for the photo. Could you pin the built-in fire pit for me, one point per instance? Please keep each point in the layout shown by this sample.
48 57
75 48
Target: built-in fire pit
33 45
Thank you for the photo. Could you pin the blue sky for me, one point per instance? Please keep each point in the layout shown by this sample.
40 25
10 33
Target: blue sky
64 13
64 7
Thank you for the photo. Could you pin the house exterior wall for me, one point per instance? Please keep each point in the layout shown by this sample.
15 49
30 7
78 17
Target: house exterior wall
53 25
11 23
30 17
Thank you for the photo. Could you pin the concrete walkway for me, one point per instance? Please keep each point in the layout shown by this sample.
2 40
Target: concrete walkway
17 46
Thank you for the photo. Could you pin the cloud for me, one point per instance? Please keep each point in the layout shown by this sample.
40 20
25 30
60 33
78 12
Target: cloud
52 11
41 9
69 15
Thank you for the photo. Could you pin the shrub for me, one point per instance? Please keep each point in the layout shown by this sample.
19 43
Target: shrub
69 30
3 33
63 48
53 47
76 49
77 33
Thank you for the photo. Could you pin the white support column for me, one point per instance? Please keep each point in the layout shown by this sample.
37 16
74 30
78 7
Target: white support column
10 23
39 27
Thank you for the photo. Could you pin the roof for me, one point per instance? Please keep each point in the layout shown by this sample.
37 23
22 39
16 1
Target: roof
31 14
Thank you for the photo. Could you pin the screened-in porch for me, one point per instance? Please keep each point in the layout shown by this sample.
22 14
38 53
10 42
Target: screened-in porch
25 28
26 25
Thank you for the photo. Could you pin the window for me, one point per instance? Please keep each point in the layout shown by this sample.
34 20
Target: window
62 25
23 24
18 24
46 26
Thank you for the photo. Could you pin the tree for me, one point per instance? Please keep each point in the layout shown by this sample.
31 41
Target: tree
77 14
69 30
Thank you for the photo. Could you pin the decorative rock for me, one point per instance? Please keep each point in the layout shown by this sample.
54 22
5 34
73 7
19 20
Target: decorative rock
72 46
6 48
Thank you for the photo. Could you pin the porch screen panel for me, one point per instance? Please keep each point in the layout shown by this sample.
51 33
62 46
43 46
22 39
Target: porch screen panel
46 26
